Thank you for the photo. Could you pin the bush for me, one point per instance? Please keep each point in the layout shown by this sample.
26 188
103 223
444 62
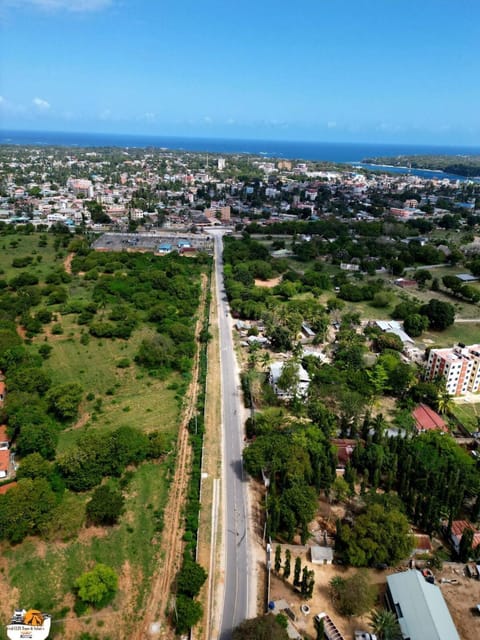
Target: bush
97 587
105 507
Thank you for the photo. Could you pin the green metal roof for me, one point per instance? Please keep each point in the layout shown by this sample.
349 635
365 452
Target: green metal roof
421 610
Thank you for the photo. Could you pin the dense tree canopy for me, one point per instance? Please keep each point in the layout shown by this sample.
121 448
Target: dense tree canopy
377 536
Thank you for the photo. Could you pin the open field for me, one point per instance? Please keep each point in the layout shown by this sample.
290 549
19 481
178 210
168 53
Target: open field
43 574
122 396
468 333
467 414
20 246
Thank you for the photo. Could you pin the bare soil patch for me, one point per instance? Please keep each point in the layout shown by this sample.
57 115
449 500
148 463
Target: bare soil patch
461 599
67 263
321 597
269 284
81 422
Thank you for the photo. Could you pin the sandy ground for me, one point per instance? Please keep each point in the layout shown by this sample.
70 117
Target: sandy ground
268 283
321 599
461 599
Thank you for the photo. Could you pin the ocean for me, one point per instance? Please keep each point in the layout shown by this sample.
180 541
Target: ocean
344 152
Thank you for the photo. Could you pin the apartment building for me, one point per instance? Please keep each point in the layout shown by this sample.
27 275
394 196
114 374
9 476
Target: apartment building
460 366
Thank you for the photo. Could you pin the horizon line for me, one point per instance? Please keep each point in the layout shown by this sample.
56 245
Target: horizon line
233 139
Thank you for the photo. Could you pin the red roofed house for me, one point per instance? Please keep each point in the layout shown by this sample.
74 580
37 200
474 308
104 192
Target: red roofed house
344 449
458 527
2 392
6 487
4 441
426 419
4 463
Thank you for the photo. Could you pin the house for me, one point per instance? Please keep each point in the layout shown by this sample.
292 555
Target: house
422 544
321 555
4 440
419 607
4 463
3 391
456 533
467 277
6 487
345 449
392 326
303 382
426 419
405 282
307 331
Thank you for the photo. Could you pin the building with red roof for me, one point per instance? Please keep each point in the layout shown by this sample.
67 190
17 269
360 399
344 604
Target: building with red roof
4 463
6 487
4 439
426 419
457 529
345 449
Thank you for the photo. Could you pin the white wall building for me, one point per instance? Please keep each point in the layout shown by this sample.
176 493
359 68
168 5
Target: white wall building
460 366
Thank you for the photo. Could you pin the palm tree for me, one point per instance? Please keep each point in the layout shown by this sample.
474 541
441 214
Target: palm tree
444 400
385 626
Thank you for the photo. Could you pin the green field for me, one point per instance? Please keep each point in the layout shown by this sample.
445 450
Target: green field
468 415
44 570
127 396
468 333
19 246
44 574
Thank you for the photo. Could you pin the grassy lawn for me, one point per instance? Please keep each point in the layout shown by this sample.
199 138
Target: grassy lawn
121 396
468 333
468 415
20 246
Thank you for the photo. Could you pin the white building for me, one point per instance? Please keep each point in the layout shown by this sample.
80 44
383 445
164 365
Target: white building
303 382
460 366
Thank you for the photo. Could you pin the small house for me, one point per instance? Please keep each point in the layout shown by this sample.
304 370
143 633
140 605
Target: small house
321 555
4 463
426 419
3 391
6 487
4 440
302 382
392 326
456 533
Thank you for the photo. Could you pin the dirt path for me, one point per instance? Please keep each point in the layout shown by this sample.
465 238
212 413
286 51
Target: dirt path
153 624
67 263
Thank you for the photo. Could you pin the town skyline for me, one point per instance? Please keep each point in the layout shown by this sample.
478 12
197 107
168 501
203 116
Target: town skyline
355 72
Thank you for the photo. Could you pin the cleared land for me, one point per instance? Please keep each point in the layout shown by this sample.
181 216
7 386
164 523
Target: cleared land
41 573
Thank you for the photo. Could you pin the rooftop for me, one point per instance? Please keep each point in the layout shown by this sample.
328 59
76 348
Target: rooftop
421 610
426 419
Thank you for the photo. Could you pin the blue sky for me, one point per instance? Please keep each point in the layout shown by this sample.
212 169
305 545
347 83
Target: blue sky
333 70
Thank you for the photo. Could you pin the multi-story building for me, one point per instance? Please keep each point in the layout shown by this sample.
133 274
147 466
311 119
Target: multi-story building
460 366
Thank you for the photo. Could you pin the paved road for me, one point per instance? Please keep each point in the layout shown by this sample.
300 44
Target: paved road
236 594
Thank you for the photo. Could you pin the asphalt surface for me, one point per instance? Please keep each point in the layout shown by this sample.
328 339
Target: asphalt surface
235 606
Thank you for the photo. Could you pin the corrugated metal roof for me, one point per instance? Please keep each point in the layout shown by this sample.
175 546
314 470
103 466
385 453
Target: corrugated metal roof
421 610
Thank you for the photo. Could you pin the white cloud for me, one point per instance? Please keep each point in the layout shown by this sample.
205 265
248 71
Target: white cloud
63 5
41 104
